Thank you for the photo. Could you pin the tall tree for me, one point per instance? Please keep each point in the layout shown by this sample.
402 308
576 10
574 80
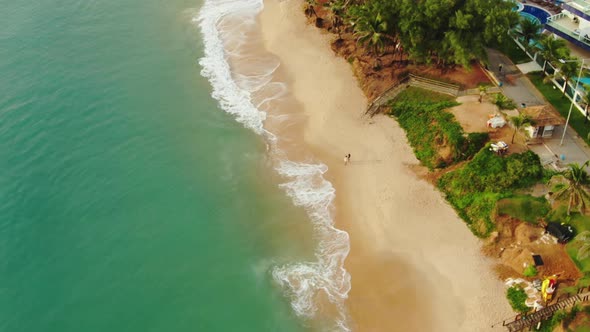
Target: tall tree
371 24
552 49
575 189
528 30
518 122
567 70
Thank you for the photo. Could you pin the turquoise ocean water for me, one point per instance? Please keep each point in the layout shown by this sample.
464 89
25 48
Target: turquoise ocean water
128 200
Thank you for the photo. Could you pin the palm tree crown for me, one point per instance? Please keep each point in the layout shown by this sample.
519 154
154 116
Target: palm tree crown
519 122
575 190
529 30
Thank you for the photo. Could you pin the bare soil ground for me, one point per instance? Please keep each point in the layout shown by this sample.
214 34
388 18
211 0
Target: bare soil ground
473 117
514 243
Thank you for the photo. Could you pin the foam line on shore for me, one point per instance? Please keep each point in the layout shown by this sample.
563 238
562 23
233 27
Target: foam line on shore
303 281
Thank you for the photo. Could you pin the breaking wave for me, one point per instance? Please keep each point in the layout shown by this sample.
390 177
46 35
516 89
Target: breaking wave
304 282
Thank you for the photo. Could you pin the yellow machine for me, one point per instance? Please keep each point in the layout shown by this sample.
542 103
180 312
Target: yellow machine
548 288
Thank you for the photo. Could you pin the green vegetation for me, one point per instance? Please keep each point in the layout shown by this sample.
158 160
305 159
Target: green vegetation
553 49
530 271
517 297
416 94
578 221
475 188
509 48
570 316
431 129
565 319
581 224
562 104
503 102
524 207
575 190
573 250
528 30
551 324
584 281
447 33
519 122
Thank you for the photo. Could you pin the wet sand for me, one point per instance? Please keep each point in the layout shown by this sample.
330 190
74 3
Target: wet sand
414 264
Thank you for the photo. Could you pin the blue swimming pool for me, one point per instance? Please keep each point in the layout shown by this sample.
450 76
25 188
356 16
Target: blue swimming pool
539 13
530 17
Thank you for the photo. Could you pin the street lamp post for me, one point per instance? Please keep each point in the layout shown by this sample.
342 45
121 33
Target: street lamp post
569 113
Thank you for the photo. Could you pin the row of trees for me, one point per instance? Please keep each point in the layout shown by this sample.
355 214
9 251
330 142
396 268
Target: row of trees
444 31
554 51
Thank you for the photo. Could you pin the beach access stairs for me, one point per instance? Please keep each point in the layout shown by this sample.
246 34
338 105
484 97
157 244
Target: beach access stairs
424 83
415 81
530 321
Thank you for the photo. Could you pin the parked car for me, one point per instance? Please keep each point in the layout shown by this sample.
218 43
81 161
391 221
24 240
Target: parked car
564 233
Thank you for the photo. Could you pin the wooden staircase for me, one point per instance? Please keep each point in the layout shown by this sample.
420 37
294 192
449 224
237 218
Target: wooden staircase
411 80
522 322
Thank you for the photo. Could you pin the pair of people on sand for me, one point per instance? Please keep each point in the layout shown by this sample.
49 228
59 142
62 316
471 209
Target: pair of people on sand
346 159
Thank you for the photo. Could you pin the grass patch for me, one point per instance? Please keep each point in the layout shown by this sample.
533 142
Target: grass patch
437 138
524 207
474 189
417 94
580 223
572 250
511 50
530 271
584 281
562 104
517 296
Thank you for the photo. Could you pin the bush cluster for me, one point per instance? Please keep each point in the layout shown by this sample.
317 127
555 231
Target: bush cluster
503 102
475 188
530 271
429 127
517 297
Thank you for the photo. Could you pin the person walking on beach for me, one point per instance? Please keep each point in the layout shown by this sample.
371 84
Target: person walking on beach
346 159
500 66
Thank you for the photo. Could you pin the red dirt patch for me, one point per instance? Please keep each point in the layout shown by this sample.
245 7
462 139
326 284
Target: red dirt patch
513 244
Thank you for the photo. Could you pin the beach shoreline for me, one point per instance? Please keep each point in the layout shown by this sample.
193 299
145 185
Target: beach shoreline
414 264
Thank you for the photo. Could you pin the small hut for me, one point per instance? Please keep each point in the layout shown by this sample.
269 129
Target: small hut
545 119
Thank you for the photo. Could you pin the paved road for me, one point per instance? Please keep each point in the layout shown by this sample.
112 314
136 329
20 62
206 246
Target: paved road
520 89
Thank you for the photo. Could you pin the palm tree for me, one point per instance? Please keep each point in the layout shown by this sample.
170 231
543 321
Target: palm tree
567 70
575 189
519 122
584 251
371 30
552 49
529 30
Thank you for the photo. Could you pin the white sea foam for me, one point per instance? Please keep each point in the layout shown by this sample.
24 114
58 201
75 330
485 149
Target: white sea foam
303 281
231 98
310 190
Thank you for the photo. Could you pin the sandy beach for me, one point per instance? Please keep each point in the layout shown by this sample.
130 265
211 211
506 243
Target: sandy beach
414 264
